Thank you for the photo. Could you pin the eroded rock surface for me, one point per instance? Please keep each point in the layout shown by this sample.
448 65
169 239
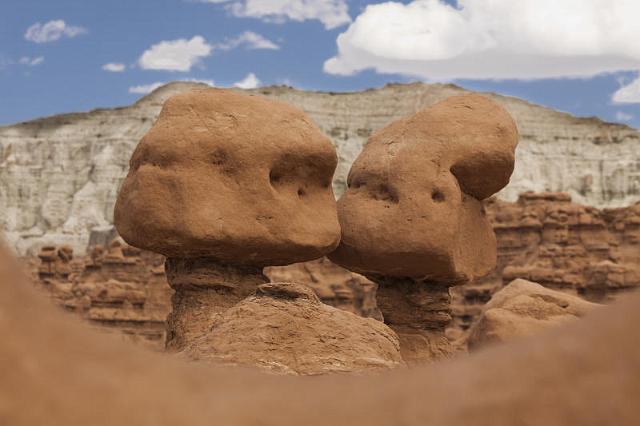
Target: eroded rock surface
59 176
413 206
523 308
284 328
548 239
239 178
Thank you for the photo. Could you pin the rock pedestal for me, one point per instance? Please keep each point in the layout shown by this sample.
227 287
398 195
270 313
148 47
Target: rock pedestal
419 312
204 289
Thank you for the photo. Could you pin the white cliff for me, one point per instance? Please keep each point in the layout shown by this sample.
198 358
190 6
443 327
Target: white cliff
59 176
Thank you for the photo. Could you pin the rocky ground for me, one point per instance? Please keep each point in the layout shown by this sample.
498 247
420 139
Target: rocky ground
546 238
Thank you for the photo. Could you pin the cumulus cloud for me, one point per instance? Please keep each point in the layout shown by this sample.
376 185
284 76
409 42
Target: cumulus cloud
498 39
175 55
52 31
114 67
629 94
249 82
250 40
144 89
31 61
332 13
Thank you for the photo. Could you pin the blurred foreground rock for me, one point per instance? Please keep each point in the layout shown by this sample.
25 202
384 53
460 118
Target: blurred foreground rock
57 372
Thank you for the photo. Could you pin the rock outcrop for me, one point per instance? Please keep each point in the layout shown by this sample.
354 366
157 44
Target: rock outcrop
118 289
285 329
413 219
237 177
59 176
523 308
224 184
548 239
413 206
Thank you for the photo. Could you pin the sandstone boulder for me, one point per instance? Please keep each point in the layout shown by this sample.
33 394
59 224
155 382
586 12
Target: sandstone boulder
413 204
523 308
235 177
284 328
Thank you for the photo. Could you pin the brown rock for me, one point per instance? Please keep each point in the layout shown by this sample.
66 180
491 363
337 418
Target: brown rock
56 371
223 184
412 217
235 177
284 328
523 308
413 206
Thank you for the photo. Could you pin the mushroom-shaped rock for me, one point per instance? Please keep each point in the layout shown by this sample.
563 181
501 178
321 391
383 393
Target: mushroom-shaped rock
284 328
524 308
224 184
412 217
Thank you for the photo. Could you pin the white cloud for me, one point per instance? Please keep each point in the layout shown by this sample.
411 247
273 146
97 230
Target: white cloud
249 82
175 55
629 94
332 13
114 67
31 61
498 39
249 39
52 31
623 116
144 89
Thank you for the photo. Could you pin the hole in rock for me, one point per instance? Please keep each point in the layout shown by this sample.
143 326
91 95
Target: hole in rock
437 196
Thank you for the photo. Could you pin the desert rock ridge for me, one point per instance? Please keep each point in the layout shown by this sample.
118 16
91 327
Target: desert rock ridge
59 176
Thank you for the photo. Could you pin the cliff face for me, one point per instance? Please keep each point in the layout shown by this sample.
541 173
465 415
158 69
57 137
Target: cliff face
59 176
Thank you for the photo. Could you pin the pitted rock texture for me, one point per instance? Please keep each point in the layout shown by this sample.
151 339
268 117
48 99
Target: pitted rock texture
284 328
413 206
235 177
59 176
523 308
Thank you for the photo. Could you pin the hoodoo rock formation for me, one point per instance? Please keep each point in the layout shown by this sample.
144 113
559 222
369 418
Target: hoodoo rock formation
224 184
412 217
284 328
523 308
59 176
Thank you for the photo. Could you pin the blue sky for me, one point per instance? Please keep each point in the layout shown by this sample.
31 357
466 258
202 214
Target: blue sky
53 54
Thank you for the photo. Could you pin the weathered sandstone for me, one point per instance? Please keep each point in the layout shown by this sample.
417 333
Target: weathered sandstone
224 184
523 308
412 216
284 328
